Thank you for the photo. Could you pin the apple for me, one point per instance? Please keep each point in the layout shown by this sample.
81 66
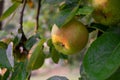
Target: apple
70 38
106 12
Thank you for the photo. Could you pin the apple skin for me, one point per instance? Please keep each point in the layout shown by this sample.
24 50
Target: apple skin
70 38
106 12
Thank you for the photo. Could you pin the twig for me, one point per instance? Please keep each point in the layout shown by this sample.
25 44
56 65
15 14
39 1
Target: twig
21 20
1 10
21 16
29 76
37 16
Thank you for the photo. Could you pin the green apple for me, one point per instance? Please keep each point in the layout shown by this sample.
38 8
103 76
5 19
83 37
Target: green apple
106 12
70 38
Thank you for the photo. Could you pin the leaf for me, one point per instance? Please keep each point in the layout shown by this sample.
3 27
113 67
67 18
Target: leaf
83 75
4 62
86 10
98 26
55 55
57 78
65 15
20 72
115 76
5 76
63 56
31 41
103 56
49 43
53 1
9 11
37 58
17 40
9 53
3 45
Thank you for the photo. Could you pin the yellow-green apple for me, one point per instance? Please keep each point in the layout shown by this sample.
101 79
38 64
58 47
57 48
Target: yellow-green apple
106 12
70 38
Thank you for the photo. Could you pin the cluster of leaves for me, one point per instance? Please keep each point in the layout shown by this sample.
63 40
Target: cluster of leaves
101 61
21 55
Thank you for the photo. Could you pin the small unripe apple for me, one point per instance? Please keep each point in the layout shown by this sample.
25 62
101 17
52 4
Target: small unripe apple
106 12
70 38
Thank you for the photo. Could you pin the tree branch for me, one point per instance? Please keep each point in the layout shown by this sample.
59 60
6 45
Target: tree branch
21 21
37 16
1 10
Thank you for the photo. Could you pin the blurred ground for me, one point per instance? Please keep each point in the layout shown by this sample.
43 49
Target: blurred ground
71 72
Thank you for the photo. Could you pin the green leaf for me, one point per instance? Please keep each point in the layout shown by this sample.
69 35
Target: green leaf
4 62
57 78
37 58
63 56
86 10
5 76
53 1
115 76
55 55
9 11
98 26
49 43
102 58
17 40
83 75
65 15
20 72
31 41
3 45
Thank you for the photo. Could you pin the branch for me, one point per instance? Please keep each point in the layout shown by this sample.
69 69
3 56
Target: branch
21 21
29 76
37 16
1 10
